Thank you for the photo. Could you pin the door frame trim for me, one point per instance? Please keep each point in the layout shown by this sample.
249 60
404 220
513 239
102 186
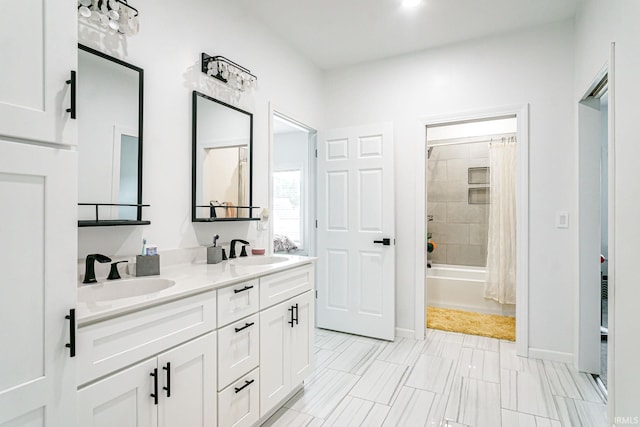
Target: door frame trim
522 215
275 110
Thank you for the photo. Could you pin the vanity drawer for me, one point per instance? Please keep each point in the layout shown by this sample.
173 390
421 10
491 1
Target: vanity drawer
237 301
238 404
281 286
112 344
238 349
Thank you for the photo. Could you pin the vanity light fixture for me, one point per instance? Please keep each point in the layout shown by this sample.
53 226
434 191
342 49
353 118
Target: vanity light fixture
234 75
116 15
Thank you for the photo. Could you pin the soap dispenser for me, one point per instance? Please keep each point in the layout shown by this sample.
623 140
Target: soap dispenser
214 252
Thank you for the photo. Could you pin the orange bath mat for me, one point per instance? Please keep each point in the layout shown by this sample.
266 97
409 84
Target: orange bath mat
466 322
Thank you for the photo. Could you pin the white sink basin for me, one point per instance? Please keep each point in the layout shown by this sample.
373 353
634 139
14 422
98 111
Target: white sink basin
258 260
123 289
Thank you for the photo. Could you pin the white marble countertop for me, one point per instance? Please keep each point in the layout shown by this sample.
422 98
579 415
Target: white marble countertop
190 279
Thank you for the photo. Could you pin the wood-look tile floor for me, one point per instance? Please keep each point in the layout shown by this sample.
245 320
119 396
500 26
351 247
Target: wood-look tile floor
447 380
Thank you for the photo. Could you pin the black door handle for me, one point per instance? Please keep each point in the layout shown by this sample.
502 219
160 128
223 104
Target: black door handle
168 387
72 332
290 309
154 374
72 82
385 242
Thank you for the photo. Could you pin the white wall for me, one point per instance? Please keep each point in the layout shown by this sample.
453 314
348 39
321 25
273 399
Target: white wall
168 48
597 25
534 67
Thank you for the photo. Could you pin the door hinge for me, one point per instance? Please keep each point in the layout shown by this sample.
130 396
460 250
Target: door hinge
316 223
316 294
316 153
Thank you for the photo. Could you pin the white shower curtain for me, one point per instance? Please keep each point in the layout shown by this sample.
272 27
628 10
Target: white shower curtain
501 249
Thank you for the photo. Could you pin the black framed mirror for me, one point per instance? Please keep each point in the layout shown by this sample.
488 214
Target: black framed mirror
109 110
222 161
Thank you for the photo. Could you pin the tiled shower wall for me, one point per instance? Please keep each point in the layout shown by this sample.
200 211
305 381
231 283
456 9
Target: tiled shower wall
458 228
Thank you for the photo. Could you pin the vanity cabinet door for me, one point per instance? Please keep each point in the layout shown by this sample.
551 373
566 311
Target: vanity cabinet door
275 357
37 259
302 339
39 43
188 384
121 400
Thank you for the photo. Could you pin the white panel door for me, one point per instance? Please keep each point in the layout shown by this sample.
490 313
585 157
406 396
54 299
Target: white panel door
38 284
120 400
38 49
187 386
302 338
356 277
275 358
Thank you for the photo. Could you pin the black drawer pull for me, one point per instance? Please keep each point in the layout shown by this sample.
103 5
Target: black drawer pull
246 384
72 82
168 387
72 332
246 325
296 307
246 288
154 374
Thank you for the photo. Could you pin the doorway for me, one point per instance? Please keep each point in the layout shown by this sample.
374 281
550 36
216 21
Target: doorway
593 321
292 187
470 184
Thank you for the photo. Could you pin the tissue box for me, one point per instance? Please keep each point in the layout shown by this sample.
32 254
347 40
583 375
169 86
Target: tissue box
214 255
147 265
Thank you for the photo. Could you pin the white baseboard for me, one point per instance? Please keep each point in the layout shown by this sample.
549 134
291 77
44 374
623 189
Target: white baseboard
556 356
404 333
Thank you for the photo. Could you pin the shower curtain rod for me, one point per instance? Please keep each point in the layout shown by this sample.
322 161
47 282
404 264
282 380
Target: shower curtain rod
469 140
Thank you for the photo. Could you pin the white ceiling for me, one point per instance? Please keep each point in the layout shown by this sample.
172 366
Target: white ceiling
335 33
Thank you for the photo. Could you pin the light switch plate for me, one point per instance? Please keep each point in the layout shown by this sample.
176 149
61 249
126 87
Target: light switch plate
562 219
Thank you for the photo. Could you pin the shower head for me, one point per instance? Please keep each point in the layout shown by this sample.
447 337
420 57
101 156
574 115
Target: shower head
429 152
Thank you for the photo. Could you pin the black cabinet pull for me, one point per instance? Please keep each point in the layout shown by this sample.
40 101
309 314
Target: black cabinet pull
246 288
72 82
296 307
290 309
154 374
246 325
385 242
72 332
246 384
168 387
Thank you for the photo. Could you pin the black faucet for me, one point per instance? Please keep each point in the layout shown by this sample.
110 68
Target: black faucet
90 273
113 273
232 248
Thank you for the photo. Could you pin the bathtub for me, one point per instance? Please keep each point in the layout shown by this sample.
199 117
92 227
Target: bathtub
461 288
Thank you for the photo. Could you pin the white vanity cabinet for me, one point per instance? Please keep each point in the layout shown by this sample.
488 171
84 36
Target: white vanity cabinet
172 348
38 51
286 330
176 388
226 357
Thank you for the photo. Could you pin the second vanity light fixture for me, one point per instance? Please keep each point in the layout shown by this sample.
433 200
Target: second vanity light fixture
116 15
234 75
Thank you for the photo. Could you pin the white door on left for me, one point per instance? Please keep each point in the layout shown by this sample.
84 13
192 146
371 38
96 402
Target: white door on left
37 283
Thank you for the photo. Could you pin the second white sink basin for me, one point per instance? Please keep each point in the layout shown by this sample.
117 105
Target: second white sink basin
123 289
258 260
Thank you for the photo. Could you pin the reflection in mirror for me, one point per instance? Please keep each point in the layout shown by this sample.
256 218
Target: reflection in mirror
109 103
222 139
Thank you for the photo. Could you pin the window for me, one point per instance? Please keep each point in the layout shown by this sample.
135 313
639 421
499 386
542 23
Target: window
287 205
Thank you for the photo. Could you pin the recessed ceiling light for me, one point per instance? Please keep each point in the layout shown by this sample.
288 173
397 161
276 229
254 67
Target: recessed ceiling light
410 3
